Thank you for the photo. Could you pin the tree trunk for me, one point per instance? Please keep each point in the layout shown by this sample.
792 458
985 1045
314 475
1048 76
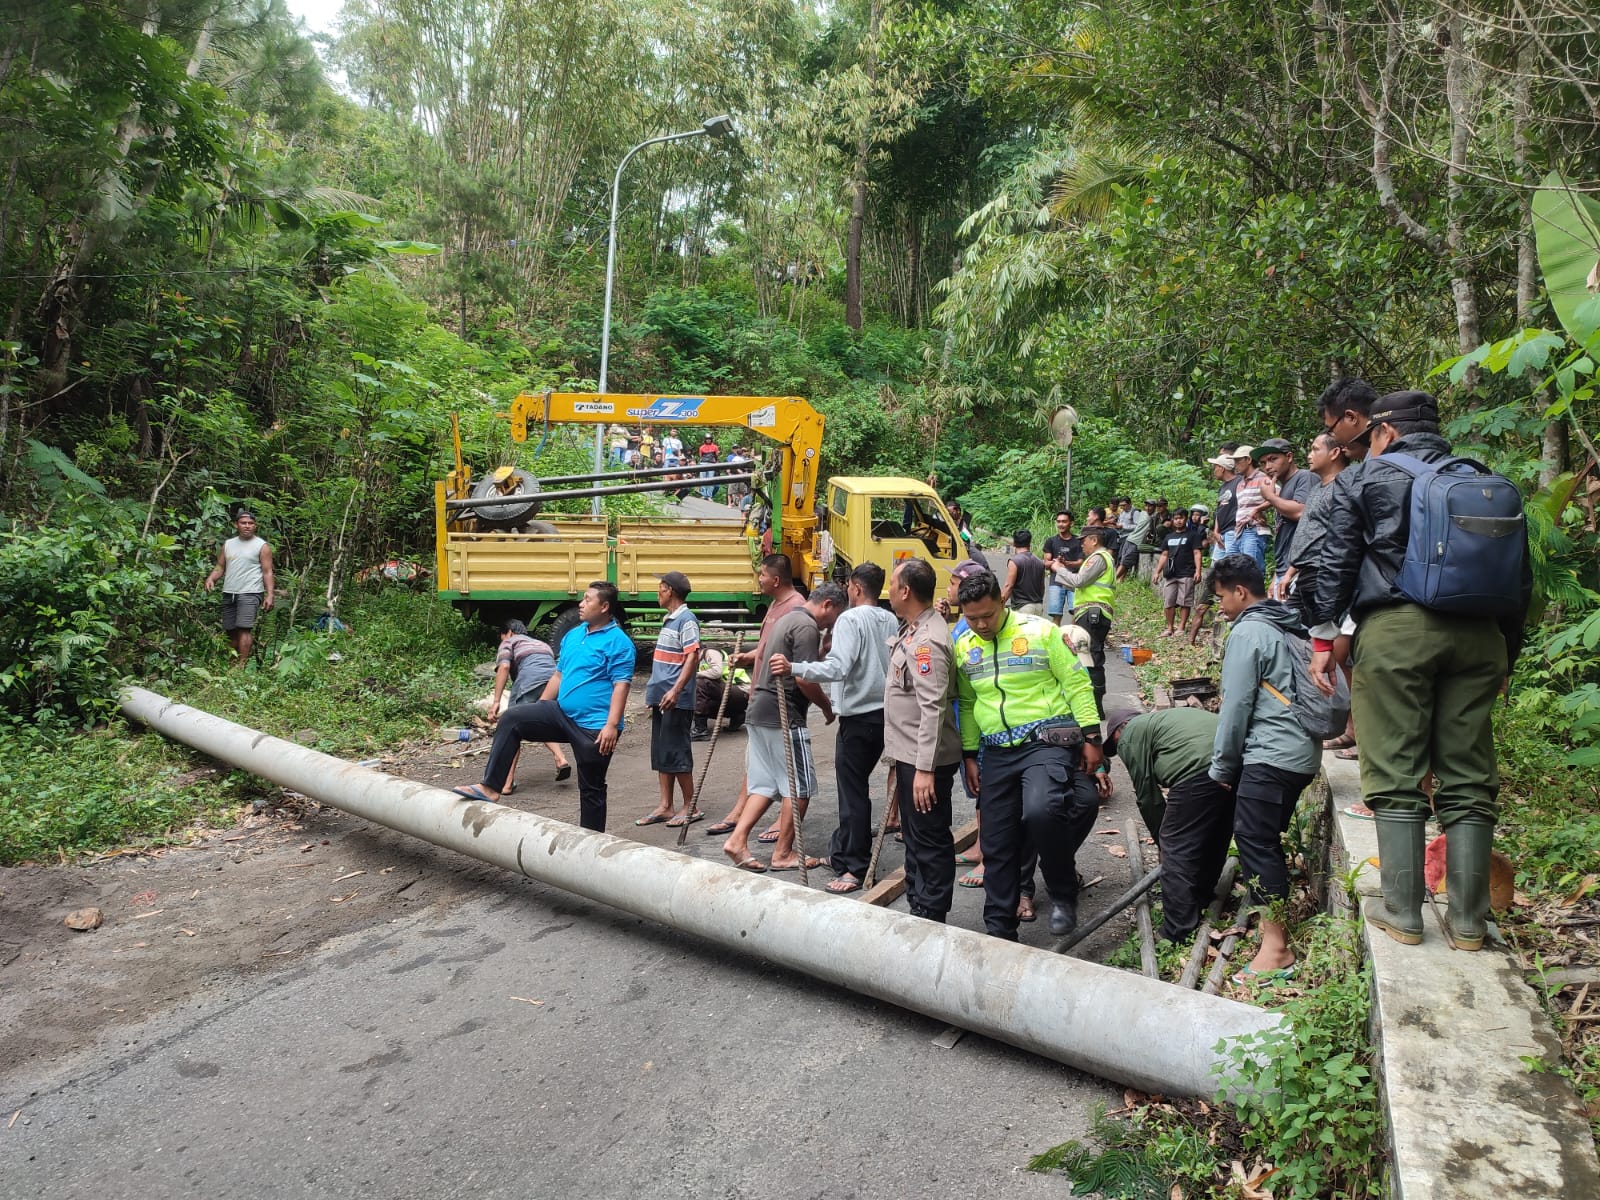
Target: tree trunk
1553 442
1463 95
858 187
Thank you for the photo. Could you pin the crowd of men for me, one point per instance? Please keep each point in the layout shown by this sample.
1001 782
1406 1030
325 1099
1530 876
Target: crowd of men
1010 699
639 446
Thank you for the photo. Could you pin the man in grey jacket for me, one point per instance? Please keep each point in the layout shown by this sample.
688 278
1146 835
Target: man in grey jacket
1262 751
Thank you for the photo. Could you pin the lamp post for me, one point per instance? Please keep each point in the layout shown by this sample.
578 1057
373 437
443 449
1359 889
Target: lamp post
717 127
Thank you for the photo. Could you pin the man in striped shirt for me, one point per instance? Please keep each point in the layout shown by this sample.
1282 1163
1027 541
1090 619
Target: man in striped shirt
670 697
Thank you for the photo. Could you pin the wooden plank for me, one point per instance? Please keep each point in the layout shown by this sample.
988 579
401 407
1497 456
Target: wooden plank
892 886
1147 937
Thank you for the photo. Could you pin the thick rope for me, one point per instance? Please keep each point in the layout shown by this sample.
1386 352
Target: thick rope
883 827
716 731
794 800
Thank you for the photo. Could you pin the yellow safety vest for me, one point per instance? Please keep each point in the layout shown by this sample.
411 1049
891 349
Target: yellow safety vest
1103 590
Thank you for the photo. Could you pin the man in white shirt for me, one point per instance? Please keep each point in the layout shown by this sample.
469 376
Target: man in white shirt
858 663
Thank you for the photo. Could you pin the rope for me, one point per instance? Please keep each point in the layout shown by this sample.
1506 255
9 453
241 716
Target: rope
716 731
794 800
883 828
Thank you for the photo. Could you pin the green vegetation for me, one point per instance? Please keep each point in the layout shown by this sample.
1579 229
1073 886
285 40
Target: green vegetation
224 280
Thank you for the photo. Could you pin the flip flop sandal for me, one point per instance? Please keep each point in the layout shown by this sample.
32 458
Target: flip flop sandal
844 885
972 879
721 827
768 837
1029 914
652 819
1352 754
682 819
474 791
1359 811
564 771
509 789
752 864
1343 742
1254 978
811 865
968 859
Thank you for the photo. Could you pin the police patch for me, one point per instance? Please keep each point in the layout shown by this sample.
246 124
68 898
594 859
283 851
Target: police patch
975 655
1019 645
924 657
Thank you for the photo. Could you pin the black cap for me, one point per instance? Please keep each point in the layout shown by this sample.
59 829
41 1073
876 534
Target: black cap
1273 446
678 582
1405 406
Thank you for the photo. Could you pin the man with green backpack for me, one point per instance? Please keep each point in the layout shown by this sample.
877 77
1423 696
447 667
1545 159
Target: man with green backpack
1429 554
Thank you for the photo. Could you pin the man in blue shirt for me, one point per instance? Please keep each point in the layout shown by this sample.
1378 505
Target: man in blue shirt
582 705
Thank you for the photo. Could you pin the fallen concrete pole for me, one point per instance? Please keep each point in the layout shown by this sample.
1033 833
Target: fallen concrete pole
1110 1023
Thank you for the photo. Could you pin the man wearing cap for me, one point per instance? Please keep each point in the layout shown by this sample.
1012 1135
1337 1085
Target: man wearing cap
1170 751
1285 491
244 565
669 695
1250 531
1094 589
856 665
1028 704
1422 695
921 738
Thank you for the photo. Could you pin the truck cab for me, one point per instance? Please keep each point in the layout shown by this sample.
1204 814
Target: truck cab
886 520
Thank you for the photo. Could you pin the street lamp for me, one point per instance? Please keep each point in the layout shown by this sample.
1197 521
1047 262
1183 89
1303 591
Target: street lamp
717 127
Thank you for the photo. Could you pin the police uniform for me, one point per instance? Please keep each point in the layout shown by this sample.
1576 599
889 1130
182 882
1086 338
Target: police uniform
1092 611
919 734
1023 696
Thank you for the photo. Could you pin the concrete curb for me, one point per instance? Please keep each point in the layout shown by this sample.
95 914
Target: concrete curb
1467 1119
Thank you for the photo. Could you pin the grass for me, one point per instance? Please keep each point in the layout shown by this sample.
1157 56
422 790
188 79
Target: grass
404 667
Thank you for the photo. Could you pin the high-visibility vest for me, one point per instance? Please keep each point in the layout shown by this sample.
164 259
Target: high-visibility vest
1103 590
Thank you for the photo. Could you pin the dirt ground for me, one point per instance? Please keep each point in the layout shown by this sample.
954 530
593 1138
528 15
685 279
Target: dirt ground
257 897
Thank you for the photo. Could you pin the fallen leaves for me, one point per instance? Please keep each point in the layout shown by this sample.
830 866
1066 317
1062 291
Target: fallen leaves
1116 852
525 1000
349 875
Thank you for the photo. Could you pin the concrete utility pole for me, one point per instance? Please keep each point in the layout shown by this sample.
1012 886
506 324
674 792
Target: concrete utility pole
1110 1023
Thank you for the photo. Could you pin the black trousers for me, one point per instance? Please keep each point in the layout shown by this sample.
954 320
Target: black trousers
855 756
1266 800
930 849
543 721
1033 795
1192 834
1097 624
708 694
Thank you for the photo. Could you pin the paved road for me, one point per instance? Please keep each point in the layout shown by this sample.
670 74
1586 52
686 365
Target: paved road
410 1060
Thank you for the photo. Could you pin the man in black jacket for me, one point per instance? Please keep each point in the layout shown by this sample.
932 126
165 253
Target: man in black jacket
1425 681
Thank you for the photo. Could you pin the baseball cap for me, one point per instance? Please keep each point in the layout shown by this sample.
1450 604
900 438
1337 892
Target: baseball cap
1275 446
1244 452
967 568
1199 508
1222 460
1076 639
1115 720
1405 406
677 581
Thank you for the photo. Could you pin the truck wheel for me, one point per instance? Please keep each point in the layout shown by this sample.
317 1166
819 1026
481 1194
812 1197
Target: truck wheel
564 623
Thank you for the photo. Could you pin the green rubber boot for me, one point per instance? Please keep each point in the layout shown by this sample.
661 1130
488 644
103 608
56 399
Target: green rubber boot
1400 846
1466 881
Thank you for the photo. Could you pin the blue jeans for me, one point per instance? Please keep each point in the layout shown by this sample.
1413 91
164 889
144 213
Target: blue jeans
1252 541
1055 600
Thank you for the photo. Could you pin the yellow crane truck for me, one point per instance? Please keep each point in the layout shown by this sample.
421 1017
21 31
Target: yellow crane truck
497 558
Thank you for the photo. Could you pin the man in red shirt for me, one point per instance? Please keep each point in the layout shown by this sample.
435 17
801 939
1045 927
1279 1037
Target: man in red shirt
709 453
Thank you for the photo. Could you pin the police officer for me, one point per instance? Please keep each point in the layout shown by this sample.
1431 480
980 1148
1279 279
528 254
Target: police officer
920 738
1027 701
1094 588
